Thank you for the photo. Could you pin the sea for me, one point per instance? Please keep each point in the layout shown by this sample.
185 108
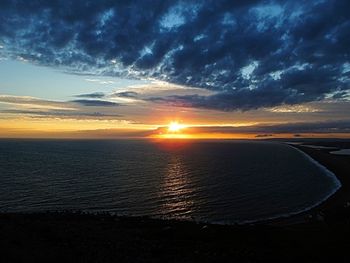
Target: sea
220 181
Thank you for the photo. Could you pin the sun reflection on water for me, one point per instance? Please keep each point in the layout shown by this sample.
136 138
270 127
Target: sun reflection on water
176 190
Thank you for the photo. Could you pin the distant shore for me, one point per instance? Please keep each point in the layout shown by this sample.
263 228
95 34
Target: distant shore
339 165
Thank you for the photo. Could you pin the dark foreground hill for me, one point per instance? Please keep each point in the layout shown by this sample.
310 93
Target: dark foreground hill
75 237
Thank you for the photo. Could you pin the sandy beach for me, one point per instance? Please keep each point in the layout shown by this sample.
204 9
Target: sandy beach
340 166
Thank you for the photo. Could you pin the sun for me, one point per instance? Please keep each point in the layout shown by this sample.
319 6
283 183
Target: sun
174 126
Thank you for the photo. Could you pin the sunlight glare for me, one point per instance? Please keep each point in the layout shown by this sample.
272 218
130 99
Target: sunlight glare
174 126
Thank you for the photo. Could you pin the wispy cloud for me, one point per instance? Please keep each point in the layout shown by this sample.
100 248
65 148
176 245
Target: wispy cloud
78 109
96 103
294 109
62 114
95 95
125 94
35 102
101 81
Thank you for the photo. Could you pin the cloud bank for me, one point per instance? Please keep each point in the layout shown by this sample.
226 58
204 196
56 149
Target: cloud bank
251 54
268 130
40 108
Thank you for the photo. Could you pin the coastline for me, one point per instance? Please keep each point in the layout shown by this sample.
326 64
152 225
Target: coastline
336 166
319 234
303 215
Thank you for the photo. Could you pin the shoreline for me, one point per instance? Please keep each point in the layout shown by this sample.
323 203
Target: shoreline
299 216
339 167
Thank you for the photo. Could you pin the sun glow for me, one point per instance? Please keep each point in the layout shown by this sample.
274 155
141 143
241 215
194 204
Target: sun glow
174 127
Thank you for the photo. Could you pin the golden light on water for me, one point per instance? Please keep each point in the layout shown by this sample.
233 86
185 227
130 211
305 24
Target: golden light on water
176 189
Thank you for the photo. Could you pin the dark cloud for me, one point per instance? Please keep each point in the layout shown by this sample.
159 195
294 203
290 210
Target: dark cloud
251 53
263 135
96 103
296 128
95 95
243 99
125 94
342 126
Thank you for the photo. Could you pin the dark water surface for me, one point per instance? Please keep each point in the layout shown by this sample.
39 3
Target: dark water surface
220 181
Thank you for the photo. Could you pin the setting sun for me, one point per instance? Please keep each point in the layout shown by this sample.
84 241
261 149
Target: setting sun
175 126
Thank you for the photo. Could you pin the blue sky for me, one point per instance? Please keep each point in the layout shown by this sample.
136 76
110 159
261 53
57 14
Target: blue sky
25 79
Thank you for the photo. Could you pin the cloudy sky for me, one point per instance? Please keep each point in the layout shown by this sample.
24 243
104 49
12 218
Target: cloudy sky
127 68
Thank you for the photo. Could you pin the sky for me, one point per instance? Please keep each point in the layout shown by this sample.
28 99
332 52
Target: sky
221 69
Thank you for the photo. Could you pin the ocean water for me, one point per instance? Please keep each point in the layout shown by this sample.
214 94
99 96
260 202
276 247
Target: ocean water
213 181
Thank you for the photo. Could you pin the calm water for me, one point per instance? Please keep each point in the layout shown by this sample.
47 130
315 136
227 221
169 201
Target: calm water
224 181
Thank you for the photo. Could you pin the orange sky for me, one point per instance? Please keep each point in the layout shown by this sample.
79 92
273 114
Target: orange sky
83 129
37 108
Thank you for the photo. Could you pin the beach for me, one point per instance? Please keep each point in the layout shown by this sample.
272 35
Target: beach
318 235
339 165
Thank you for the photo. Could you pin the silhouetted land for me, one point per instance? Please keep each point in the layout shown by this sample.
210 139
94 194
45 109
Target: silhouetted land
321 236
